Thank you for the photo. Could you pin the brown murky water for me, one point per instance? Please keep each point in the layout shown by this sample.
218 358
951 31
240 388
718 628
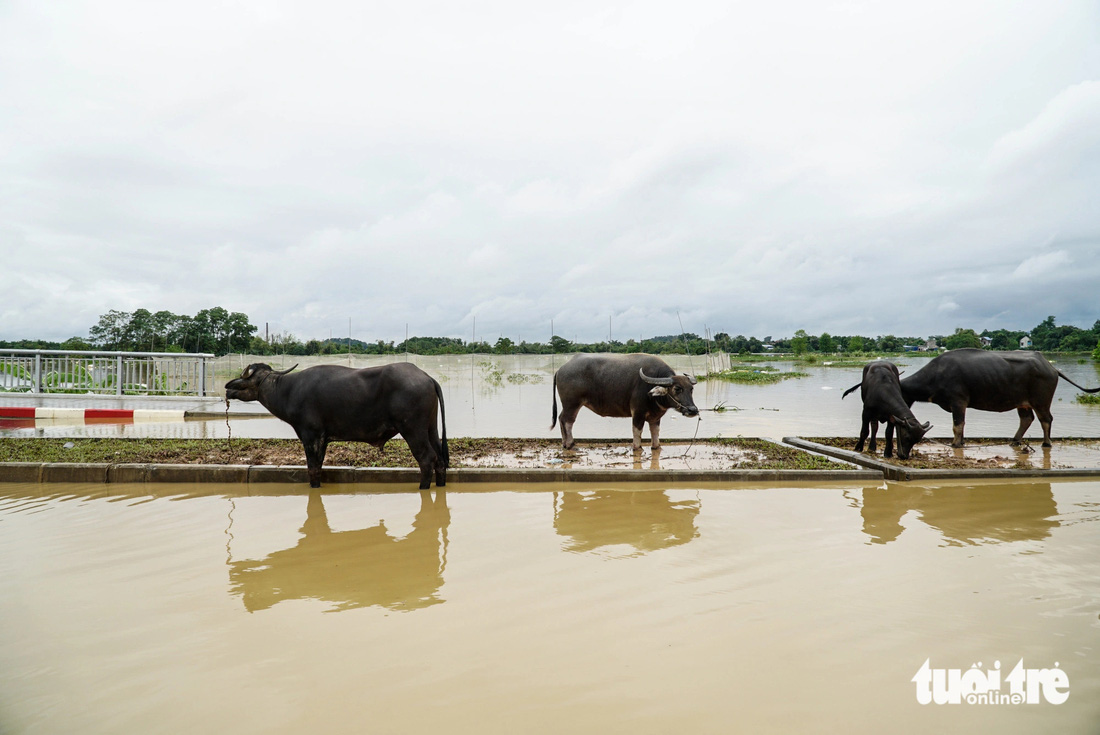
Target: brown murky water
580 609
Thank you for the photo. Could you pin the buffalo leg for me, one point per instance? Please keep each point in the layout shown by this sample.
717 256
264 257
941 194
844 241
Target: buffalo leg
566 420
873 444
440 472
440 464
1026 417
958 421
638 422
426 458
1046 418
315 447
863 431
889 450
655 433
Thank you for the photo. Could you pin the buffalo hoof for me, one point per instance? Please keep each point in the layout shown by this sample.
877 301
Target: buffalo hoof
315 484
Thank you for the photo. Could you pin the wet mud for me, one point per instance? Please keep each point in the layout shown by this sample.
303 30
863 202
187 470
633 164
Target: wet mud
979 453
705 454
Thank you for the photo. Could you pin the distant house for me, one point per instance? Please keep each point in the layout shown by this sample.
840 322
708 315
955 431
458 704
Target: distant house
769 347
929 346
986 341
910 348
1025 342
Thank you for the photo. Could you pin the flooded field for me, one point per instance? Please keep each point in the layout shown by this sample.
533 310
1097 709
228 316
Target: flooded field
510 396
580 609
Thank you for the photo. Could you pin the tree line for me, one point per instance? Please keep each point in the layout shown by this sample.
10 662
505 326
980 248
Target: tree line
220 332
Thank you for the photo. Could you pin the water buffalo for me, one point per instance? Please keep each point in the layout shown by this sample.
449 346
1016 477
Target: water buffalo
882 401
642 387
988 381
335 403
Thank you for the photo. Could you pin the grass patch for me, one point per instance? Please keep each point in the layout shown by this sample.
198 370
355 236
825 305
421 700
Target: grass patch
759 376
1089 399
772 456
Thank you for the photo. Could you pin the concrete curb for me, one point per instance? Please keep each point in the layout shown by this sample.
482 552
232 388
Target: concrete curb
892 471
31 472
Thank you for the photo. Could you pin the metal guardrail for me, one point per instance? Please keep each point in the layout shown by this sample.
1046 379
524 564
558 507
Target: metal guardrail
106 373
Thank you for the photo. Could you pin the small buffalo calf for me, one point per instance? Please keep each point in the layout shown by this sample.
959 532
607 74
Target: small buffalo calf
883 401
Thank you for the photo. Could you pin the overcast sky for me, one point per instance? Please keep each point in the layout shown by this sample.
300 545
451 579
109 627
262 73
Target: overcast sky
747 167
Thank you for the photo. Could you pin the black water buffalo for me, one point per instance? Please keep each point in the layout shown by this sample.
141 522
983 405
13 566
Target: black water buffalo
334 403
882 401
642 387
988 381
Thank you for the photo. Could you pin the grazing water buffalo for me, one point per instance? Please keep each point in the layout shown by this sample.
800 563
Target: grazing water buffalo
642 387
882 401
335 403
988 381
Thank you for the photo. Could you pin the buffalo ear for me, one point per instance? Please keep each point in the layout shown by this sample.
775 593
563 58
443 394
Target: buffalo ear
658 391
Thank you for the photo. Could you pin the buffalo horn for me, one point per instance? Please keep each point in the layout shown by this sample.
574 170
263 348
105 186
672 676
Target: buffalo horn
654 381
284 372
692 379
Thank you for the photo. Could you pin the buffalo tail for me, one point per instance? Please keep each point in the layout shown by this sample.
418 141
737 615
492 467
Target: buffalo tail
850 390
1087 390
554 401
443 423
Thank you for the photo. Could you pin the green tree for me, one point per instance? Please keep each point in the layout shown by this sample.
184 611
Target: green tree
856 344
139 331
825 343
800 343
963 338
110 331
889 343
75 343
504 346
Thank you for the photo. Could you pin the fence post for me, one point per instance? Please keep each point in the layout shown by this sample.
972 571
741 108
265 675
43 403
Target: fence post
118 375
37 388
202 377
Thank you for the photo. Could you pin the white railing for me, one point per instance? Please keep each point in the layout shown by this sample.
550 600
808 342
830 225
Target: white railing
106 373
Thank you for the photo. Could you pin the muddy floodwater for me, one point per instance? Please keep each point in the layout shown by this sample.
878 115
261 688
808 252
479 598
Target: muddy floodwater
510 396
562 609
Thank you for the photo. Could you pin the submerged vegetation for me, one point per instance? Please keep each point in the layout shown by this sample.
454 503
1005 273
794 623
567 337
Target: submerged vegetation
765 375
1089 399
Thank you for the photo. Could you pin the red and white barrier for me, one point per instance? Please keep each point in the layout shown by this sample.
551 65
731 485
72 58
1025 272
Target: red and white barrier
89 415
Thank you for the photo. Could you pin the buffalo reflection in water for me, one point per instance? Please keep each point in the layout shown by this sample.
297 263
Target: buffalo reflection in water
352 568
966 515
647 519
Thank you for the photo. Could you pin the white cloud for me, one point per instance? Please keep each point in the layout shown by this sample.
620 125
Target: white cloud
1041 266
864 167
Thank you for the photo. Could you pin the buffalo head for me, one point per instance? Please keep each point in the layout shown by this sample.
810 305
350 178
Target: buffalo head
675 389
910 431
247 387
